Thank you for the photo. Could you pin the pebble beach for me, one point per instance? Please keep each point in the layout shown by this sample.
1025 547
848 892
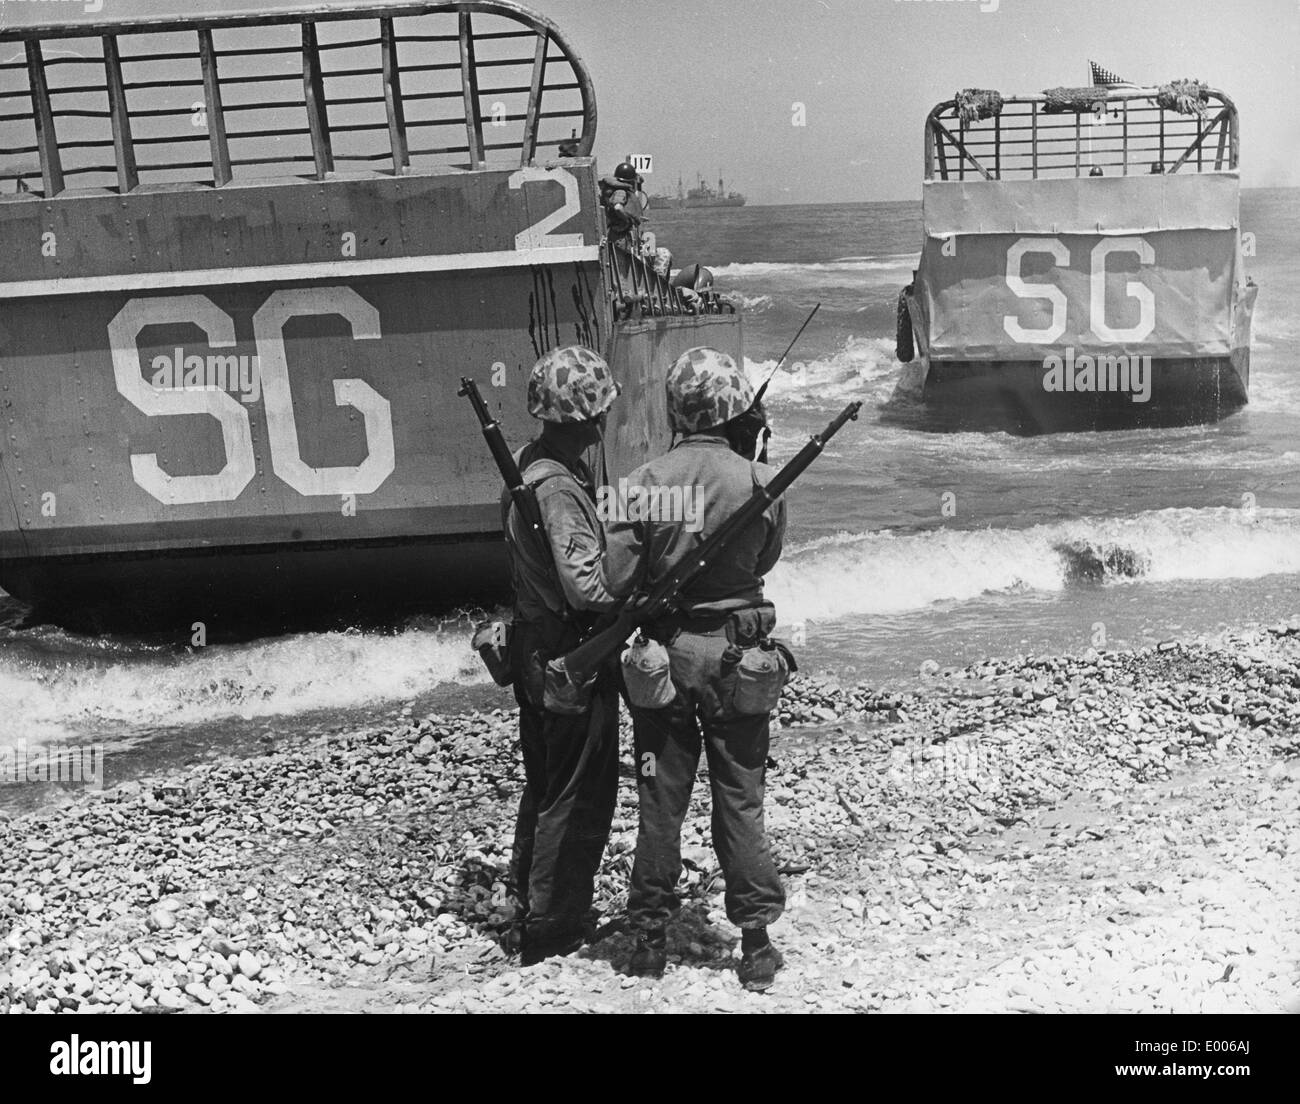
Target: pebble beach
1106 831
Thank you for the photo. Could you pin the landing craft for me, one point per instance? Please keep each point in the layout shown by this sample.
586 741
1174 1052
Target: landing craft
366 203
1082 263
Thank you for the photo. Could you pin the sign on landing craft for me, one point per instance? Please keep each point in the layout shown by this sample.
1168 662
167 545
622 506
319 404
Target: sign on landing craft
282 430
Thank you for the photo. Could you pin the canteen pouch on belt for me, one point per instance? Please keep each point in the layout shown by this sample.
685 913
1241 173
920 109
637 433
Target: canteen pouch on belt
760 676
492 642
562 696
647 675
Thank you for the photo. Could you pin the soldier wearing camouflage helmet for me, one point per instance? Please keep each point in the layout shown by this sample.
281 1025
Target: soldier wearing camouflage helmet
570 749
624 202
712 644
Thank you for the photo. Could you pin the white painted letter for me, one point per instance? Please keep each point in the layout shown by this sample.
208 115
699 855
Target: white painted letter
1053 330
1135 289
281 426
123 335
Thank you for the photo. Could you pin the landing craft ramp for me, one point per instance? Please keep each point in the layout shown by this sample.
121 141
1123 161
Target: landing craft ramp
360 206
1102 236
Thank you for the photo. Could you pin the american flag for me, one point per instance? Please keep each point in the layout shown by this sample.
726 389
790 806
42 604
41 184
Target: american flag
1104 78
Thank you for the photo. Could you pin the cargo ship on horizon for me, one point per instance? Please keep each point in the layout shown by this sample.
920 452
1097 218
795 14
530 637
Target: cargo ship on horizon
699 196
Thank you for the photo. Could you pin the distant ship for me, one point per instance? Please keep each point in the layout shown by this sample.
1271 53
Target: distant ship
699 196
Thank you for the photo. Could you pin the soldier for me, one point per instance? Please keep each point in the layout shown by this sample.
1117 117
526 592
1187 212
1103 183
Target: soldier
625 206
725 618
570 748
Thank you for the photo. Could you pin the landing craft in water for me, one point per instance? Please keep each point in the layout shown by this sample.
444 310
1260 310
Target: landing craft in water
405 204
1082 266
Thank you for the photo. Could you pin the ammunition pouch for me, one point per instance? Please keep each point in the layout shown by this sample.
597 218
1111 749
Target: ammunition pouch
743 627
747 628
492 640
563 696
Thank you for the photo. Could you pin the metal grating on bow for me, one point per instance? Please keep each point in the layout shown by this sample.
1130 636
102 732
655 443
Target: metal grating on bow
1111 132
394 88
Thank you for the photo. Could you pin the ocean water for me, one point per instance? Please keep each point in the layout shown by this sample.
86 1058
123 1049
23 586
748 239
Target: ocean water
1055 543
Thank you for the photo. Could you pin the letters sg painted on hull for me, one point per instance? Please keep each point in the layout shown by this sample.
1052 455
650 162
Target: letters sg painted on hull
352 359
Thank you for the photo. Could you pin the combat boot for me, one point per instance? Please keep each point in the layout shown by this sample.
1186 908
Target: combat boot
538 946
650 956
757 969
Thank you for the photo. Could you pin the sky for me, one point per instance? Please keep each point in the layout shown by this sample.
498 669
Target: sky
716 86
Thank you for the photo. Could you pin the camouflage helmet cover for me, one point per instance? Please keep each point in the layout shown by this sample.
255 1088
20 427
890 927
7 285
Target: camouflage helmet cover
571 384
706 388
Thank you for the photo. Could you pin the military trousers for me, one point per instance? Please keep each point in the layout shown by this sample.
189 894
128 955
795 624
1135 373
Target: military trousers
668 743
570 790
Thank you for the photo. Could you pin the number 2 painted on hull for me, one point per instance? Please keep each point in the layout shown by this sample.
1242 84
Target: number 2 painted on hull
539 235
237 439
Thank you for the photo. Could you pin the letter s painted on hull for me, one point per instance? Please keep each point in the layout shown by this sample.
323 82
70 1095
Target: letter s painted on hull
241 462
1021 287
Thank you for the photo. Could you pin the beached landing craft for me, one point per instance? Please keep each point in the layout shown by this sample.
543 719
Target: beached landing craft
1082 263
255 256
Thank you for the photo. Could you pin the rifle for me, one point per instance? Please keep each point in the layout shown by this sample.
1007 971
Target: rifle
662 598
520 493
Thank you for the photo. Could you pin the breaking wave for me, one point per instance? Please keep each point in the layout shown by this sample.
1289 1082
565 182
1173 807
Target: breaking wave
819 269
863 366
853 273
59 684
891 572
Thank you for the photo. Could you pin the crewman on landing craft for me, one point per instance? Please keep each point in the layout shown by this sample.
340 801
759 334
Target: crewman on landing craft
625 204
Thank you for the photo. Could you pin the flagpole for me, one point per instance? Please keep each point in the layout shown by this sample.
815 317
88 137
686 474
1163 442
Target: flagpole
1092 79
